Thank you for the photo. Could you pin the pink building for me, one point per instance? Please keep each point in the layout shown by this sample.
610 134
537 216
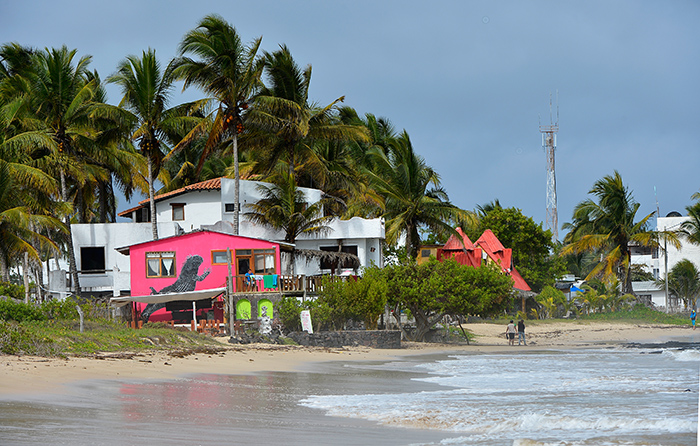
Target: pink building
198 261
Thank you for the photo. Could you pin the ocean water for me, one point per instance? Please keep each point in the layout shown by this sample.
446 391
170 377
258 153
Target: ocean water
588 397
521 397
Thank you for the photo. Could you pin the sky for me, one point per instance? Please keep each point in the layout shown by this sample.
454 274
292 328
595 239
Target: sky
470 81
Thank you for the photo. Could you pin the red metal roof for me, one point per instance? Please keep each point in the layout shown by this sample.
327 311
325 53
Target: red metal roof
489 242
470 254
518 281
469 258
455 244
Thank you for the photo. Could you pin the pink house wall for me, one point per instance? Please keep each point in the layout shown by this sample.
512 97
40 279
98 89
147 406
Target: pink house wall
196 243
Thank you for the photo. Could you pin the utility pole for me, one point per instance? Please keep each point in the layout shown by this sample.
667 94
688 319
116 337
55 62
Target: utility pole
549 144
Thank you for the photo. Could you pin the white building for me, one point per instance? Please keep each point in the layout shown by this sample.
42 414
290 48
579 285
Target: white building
103 270
658 261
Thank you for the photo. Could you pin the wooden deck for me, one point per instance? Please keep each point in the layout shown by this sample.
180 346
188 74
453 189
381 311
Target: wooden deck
282 284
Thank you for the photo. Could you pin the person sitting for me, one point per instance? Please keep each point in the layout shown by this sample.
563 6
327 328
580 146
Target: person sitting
250 282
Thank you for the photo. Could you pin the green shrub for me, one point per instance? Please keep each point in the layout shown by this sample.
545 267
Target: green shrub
16 339
60 309
12 290
13 310
288 310
65 309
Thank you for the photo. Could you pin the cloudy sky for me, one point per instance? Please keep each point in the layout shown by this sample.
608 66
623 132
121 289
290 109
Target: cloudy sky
470 81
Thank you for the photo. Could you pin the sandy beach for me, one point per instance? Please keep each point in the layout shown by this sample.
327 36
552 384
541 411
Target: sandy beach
25 374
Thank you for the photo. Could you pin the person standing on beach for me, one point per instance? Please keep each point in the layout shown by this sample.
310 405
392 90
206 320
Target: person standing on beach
692 317
510 333
521 332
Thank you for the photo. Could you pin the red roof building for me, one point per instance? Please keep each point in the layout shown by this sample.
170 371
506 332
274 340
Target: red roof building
487 249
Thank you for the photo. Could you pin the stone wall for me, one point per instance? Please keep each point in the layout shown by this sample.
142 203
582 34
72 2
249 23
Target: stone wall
365 338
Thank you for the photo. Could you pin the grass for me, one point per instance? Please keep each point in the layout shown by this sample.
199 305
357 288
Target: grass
637 315
63 338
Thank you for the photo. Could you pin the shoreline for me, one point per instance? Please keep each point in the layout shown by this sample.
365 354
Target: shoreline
31 375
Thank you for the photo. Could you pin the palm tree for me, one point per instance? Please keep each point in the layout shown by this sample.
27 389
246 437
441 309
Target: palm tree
229 72
19 224
607 227
285 208
146 90
691 228
412 195
363 200
61 97
286 127
684 282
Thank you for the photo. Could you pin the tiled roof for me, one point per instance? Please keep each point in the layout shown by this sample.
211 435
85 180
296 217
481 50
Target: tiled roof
127 212
213 184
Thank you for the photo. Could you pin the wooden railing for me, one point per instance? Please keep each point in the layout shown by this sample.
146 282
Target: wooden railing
282 283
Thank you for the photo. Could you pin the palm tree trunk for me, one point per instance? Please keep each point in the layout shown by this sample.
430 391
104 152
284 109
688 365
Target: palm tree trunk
38 269
151 200
71 249
236 184
25 276
103 201
4 270
82 214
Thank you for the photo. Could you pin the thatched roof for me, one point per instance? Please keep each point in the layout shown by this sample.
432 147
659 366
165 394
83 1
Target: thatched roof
341 258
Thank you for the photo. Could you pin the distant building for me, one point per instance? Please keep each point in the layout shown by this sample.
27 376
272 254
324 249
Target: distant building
656 261
207 205
486 250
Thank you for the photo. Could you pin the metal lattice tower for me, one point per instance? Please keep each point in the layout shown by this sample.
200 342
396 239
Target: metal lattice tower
549 144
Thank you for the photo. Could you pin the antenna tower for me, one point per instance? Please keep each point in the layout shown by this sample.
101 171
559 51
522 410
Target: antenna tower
549 144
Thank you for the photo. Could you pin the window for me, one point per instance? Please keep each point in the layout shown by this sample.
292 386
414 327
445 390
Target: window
178 211
260 261
143 215
655 253
160 264
350 249
92 260
425 253
229 207
219 258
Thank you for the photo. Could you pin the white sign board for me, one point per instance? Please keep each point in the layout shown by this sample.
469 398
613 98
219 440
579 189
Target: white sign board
306 321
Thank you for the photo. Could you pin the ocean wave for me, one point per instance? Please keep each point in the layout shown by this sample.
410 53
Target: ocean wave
683 355
421 410
544 422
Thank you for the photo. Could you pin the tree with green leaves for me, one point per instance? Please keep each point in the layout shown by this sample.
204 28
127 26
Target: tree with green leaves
61 98
361 300
607 227
20 224
691 227
286 126
229 71
144 109
683 282
284 207
412 194
533 247
434 289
